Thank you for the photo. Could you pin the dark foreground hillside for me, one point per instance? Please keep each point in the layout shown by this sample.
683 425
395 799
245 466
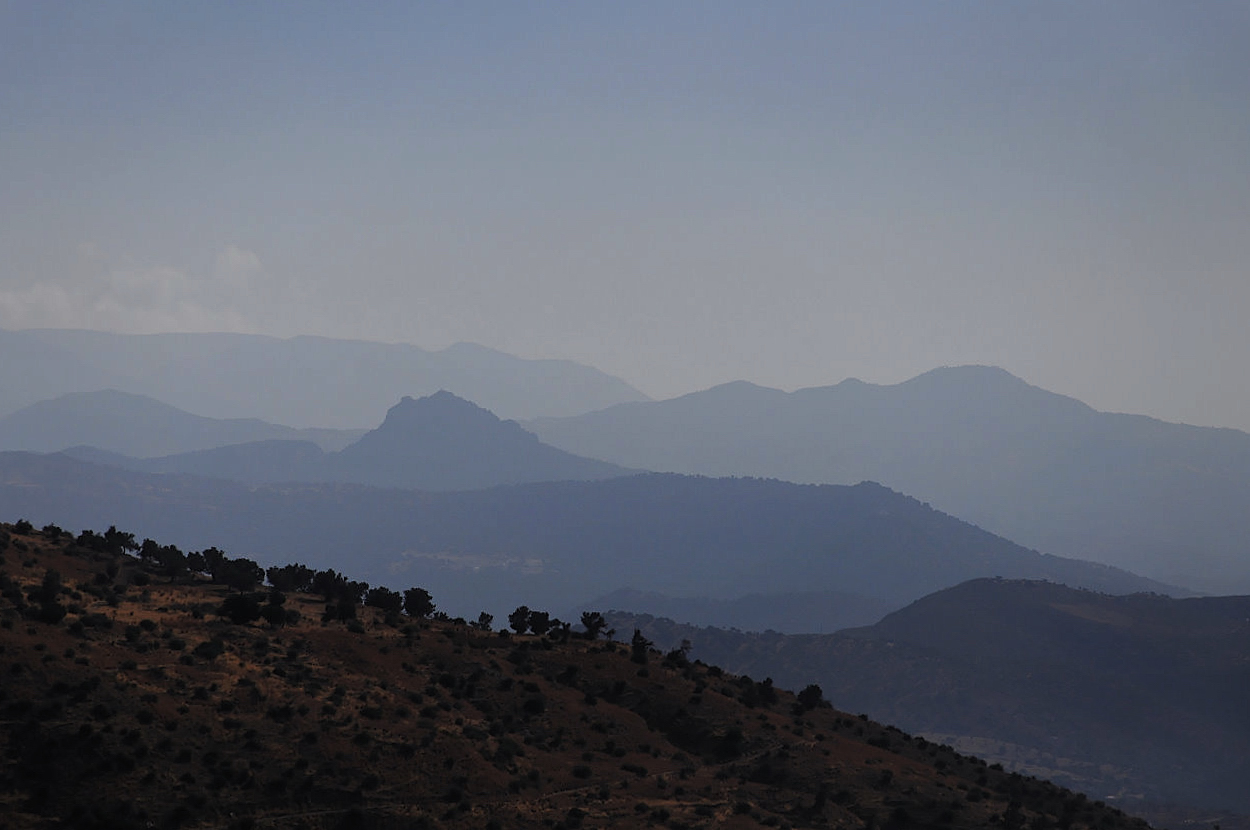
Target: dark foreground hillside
1140 698
139 693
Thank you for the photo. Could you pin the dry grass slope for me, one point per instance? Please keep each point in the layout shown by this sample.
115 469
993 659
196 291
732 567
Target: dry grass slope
139 706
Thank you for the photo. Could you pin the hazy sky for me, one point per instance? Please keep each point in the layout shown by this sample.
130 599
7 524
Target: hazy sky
678 193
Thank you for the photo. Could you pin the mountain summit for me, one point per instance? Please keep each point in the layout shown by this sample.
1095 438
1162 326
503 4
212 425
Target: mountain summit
443 442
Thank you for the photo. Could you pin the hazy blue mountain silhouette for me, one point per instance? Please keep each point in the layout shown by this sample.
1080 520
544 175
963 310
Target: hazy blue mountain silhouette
1113 695
301 381
141 427
1165 500
557 543
795 612
439 442
443 442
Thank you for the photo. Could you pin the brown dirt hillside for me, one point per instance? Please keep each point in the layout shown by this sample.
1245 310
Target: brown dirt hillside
128 701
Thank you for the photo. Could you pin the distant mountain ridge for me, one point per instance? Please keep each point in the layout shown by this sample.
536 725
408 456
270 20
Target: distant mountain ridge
559 543
301 381
1122 696
141 427
1165 500
795 612
439 442
443 442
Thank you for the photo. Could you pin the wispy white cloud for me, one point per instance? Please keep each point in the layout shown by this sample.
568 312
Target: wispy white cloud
121 295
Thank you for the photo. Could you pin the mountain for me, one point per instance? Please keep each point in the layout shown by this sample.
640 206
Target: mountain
141 427
796 612
440 442
134 698
557 543
302 381
254 462
443 442
1139 697
1165 500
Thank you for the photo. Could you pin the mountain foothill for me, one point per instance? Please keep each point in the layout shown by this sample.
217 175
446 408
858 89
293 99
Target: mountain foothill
1140 698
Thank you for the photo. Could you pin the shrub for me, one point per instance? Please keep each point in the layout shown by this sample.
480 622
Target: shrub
210 649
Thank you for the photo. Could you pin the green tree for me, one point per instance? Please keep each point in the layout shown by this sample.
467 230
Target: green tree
240 574
593 622
240 608
290 578
540 622
391 602
639 647
519 619
418 603
810 698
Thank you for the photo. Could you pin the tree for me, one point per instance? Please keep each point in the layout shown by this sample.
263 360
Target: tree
593 622
196 563
484 622
391 602
639 647
172 561
418 603
119 542
240 574
50 610
290 578
213 560
519 619
240 608
810 698
273 612
540 622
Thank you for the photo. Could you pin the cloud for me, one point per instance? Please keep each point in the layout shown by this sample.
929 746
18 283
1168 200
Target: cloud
127 297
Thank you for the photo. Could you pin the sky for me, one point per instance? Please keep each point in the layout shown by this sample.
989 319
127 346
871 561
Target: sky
678 193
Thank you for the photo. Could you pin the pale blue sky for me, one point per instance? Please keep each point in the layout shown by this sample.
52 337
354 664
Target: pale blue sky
681 194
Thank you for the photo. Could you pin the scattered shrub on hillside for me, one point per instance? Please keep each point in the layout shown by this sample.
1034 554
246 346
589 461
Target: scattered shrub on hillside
210 649
240 608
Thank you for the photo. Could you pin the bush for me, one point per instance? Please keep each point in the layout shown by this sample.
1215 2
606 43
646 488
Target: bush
210 649
240 608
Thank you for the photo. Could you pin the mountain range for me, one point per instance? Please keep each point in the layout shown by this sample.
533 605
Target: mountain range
1164 500
439 442
301 381
558 543
121 423
1137 698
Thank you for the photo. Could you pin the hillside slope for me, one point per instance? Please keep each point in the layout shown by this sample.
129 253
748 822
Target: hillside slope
1138 697
1164 500
137 699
